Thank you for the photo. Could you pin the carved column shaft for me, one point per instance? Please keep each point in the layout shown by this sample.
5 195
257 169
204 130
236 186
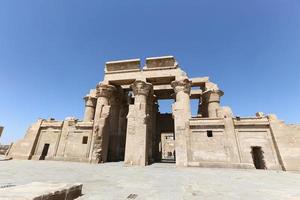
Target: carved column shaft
114 137
123 125
90 105
150 125
182 91
211 102
137 139
182 114
100 138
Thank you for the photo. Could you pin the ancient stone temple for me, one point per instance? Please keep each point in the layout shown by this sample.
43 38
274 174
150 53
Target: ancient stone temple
122 122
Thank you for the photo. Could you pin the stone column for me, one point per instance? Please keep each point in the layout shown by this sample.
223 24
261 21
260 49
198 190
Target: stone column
150 125
123 126
155 139
114 137
90 105
182 114
211 102
136 152
199 112
100 138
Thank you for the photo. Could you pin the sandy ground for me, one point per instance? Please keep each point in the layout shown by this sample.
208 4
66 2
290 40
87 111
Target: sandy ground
158 181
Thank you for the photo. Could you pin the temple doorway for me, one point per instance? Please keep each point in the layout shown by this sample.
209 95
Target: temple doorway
258 157
45 151
168 154
165 132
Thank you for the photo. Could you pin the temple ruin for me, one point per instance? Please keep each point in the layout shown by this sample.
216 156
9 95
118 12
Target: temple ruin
122 122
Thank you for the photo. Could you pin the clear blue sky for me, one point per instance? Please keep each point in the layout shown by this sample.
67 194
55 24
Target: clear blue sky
53 52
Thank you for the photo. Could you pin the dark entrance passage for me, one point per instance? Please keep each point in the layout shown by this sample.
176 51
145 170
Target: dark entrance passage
45 151
258 157
168 148
165 139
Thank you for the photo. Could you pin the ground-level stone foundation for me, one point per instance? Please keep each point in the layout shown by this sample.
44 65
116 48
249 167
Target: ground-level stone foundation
122 122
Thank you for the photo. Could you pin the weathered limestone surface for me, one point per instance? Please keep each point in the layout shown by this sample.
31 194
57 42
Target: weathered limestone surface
122 121
137 134
182 114
42 191
100 138
90 106
24 149
157 181
286 139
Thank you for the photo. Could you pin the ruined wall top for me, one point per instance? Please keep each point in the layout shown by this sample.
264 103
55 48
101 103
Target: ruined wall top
134 65
164 62
122 66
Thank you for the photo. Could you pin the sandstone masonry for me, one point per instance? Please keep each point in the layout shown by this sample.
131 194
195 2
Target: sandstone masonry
122 122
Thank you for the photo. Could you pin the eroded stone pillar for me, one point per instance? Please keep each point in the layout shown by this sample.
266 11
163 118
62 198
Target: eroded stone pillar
150 125
114 137
181 113
211 102
136 152
90 106
123 126
100 138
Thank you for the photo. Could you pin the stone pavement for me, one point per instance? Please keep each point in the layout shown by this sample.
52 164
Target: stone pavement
41 191
157 181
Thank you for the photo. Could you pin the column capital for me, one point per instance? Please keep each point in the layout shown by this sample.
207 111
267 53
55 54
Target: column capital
90 100
182 85
141 88
212 95
105 90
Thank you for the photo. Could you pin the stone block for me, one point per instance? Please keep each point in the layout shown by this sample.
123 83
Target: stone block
259 114
122 66
160 63
42 191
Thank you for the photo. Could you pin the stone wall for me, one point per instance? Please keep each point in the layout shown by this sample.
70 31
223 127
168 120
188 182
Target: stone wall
66 140
287 140
124 107
208 142
215 143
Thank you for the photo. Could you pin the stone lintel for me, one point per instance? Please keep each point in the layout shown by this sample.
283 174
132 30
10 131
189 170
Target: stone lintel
163 62
253 122
128 77
196 94
84 124
199 81
204 122
123 66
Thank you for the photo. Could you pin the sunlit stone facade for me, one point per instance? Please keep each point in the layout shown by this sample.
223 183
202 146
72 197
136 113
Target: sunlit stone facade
122 122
